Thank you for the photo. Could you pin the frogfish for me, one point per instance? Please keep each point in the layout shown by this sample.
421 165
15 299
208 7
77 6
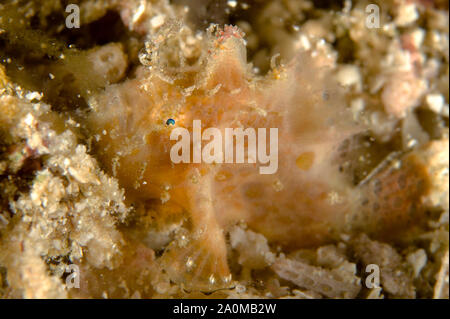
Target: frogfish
308 201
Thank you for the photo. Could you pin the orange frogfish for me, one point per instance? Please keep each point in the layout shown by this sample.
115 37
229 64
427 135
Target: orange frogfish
306 200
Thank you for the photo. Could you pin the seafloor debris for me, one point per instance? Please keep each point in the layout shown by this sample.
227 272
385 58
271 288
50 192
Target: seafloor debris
86 177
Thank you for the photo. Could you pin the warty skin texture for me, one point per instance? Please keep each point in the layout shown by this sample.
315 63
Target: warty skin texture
307 202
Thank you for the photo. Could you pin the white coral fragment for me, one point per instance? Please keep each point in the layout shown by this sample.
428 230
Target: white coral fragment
315 278
253 249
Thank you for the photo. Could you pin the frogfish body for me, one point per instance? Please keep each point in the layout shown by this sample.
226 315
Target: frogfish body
308 201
